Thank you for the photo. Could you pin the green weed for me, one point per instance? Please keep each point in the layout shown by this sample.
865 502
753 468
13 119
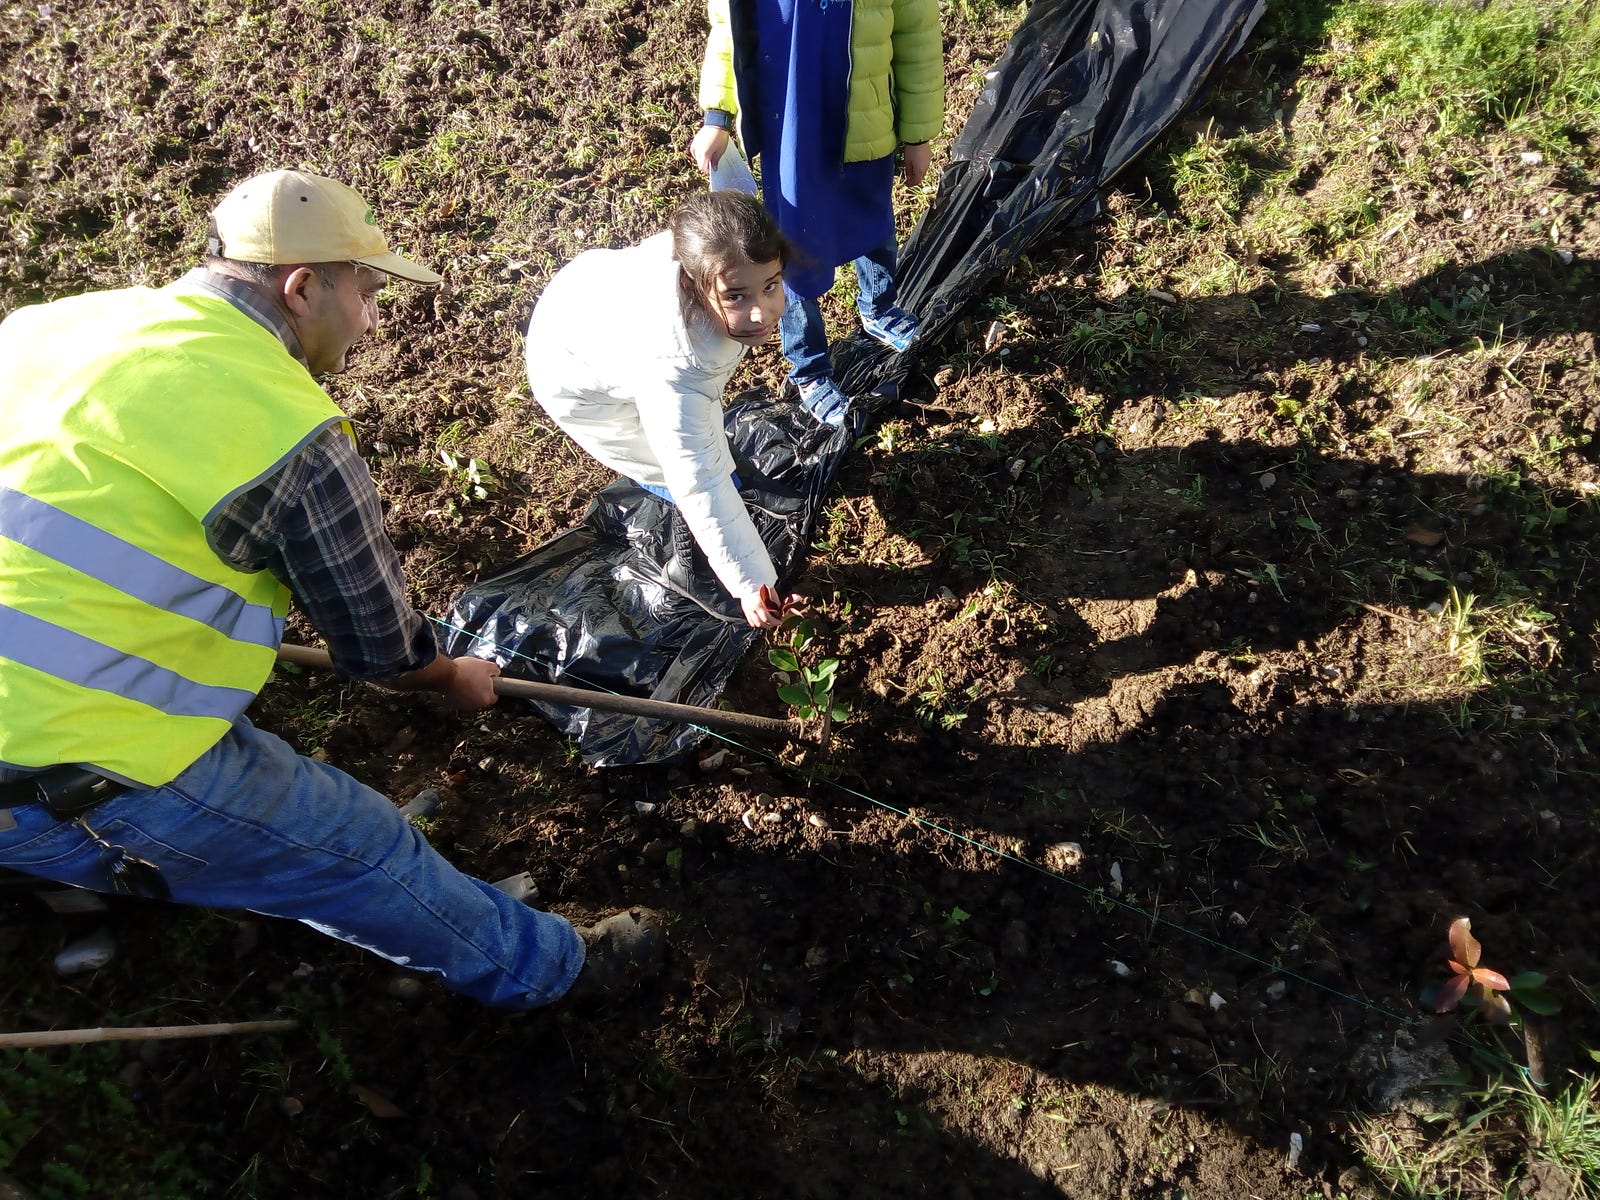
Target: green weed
1529 66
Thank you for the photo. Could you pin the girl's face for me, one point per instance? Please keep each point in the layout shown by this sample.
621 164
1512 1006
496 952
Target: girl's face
749 300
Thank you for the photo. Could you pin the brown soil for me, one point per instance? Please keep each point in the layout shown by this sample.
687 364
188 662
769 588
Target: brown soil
1185 634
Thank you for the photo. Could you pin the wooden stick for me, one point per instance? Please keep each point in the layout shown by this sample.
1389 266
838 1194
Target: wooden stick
554 693
137 1033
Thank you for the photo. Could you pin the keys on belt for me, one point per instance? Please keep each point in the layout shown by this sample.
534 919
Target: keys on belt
70 793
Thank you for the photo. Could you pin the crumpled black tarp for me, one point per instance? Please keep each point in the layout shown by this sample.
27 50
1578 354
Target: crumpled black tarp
1082 89
606 605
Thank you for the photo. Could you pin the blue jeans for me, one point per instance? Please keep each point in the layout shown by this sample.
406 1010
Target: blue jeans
805 339
661 493
254 825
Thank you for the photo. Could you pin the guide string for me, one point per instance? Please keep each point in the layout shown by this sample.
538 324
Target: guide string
1095 894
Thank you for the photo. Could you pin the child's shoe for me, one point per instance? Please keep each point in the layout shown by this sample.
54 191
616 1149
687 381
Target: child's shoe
894 327
823 399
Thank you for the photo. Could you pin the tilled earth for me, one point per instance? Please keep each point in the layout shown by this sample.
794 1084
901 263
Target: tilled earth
1162 782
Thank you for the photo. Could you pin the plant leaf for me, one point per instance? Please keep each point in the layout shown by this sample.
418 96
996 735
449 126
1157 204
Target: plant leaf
1537 1000
1450 993
795 695
377 1103
1487 979
1496 1007
1528 980
783 658
1463 946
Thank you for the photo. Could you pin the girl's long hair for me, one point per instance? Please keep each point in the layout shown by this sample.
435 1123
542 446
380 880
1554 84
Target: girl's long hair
712 232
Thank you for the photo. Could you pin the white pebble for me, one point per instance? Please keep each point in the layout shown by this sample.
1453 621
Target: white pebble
87 954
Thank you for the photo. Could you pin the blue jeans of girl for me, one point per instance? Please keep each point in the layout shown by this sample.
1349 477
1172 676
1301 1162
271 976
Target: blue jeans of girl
253 825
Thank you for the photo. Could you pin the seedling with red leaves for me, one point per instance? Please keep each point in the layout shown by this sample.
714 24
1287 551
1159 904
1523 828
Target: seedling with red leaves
1469 978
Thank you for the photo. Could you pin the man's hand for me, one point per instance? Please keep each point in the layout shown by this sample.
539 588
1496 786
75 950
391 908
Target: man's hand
471 685
464 683
708 146
918 157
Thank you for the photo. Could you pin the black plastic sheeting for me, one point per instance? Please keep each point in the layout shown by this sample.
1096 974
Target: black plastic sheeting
609 604
1082 89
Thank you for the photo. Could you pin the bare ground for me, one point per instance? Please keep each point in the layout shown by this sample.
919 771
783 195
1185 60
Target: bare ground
1172 608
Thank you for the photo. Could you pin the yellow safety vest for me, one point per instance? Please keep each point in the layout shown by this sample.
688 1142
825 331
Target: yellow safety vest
126 419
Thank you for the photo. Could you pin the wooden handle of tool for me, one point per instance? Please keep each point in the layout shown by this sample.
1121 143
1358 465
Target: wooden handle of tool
137 1033
554 693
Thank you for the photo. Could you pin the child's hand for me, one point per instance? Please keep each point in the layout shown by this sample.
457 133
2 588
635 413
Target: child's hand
918 157
764 610
708 146
758 614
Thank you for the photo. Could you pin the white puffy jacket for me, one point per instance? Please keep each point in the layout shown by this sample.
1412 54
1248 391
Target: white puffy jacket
611 361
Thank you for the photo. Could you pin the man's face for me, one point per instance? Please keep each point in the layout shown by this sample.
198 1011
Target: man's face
330 320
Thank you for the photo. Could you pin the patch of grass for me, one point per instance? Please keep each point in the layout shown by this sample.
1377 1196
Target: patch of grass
1498 643
1459 1154
1448 1162
1564 1129
75 1088
1529 66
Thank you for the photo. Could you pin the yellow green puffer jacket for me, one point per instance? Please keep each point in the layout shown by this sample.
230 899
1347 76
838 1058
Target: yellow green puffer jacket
896 72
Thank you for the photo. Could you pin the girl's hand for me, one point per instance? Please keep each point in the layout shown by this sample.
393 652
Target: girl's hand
918 157
758 614
769 610
708 146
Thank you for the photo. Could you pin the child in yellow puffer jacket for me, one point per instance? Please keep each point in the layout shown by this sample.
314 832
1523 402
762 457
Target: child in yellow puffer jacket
823 92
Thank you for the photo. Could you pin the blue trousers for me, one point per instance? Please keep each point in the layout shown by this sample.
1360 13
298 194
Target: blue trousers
803 335
253 825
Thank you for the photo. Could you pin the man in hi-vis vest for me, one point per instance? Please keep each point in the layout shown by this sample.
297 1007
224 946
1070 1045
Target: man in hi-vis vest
170 475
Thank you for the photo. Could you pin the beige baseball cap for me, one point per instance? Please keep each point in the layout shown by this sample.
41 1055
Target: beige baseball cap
296 217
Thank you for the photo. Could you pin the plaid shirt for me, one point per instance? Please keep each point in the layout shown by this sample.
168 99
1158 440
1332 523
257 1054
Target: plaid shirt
317 524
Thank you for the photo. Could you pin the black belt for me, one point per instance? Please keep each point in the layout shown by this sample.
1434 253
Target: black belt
67 791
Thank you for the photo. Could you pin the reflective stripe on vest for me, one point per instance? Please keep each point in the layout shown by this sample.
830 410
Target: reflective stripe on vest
59 652
126 567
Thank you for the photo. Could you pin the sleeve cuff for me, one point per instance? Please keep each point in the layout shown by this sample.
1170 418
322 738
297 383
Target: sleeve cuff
718 119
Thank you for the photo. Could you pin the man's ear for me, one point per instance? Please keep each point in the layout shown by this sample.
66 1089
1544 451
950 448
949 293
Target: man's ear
296 286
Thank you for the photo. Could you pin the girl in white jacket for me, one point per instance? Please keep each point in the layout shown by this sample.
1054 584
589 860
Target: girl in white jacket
629 351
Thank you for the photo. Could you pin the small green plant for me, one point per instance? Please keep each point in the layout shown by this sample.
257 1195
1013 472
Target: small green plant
1471 982
807 687
940 705
1475 986
473 479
